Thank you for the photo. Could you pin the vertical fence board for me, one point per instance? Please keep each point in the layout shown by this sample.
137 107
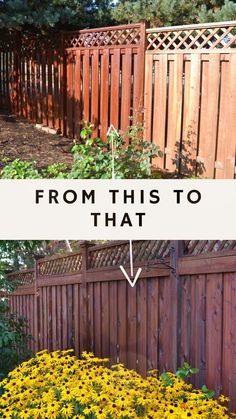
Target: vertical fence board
83 317
59 317
198 329
131 328
225 157
214 331
78 108
70 317
70 94
189 143
115 88
91 317
185 320
64 303
33 77
122 316
126 89
174 111
56 116
113 326
95 91
44 91
142 326
76 318
152 337
104 94
86 86
208 115
97 319
148 97
105 319
159 107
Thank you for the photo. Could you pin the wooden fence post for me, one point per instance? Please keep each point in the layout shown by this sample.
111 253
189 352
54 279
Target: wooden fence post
142 53
83 298
63 87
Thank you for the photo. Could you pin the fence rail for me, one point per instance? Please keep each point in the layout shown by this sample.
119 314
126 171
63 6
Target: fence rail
167 318
177 81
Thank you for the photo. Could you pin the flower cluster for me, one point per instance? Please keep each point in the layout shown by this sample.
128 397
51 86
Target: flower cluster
58 385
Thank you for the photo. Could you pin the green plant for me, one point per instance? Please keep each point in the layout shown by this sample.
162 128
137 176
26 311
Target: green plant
207 393
92 159
186 371
14 339
55 170
20 169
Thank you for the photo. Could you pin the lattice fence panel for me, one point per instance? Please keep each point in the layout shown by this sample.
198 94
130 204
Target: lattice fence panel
192 38
143 251
196 247
23 278
116 36
60 266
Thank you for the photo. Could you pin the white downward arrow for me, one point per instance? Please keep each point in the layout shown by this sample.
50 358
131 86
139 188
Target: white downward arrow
112 132
131 281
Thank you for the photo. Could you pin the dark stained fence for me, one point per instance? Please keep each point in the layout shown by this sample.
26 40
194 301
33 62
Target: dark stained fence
82 301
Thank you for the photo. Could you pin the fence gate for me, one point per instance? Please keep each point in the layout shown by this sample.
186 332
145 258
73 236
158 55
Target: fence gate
190 98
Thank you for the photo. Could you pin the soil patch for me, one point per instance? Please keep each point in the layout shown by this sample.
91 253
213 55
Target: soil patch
21 139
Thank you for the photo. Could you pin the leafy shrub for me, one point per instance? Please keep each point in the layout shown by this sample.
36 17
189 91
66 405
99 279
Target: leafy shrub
20 169
58 385
14 339
92 159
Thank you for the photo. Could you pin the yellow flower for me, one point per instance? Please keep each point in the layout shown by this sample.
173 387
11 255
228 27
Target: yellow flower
67 410
58 385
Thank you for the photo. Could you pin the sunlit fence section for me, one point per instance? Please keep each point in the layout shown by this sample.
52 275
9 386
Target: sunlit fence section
179 82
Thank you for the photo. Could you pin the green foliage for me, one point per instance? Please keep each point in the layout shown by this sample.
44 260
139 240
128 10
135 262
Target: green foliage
55 170
173 12
93 157
226 12
186 371
207 393
20 169
15 254
44 15
14 339
166 378
183 373
33 16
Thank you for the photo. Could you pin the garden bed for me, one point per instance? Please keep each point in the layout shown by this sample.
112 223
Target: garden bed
20 139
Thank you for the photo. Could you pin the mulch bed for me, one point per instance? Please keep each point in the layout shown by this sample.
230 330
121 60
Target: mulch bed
20 139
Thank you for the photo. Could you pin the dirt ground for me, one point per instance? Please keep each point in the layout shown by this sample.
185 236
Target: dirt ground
20 139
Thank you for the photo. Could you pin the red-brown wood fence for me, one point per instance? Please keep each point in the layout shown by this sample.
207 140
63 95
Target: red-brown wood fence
178 81
82 301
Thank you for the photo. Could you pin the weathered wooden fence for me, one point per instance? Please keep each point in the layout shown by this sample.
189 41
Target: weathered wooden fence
178 80
83 301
